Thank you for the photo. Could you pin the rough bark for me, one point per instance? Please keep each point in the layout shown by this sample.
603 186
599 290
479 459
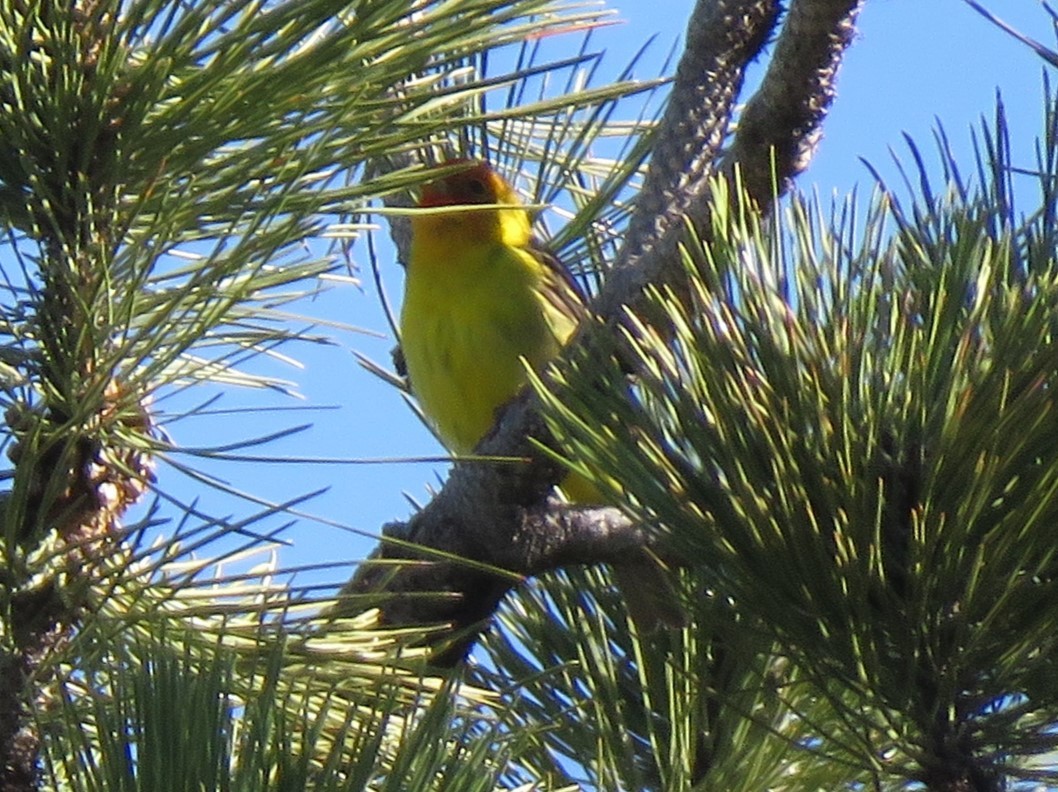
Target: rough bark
783 123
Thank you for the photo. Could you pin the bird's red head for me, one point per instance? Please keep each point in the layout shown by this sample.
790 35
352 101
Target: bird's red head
475 182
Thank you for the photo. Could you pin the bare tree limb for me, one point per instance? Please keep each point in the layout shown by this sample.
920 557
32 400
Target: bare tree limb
781 126
500 514
723 37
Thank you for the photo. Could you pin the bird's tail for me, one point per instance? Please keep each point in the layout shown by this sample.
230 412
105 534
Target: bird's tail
649 594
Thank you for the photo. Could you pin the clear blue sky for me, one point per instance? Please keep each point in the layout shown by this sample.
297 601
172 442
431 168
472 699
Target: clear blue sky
914 61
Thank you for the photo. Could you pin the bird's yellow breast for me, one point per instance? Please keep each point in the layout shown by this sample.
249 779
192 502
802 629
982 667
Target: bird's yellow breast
471 316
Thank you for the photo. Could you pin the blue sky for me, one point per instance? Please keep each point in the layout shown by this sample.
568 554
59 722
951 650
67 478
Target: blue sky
913 62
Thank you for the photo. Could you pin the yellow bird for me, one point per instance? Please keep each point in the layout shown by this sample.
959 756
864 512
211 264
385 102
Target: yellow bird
480 298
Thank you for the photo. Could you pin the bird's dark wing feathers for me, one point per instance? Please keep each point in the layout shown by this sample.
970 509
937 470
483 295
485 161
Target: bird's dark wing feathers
562 290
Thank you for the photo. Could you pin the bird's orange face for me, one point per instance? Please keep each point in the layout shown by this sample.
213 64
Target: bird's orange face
469 183
475 183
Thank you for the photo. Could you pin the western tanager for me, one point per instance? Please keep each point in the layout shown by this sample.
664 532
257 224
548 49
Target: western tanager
481 300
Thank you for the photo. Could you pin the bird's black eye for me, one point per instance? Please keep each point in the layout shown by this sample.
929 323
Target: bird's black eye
476 187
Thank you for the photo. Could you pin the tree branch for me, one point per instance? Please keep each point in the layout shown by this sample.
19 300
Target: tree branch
73 478
781 126
723 37
500 514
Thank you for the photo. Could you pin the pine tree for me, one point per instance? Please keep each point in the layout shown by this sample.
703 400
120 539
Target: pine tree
170 173
833 430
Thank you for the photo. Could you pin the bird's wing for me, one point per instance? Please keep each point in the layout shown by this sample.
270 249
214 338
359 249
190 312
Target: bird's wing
559 287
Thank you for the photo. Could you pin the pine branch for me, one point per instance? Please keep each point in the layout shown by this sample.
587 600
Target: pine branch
779 130
497 514
723 37
72 478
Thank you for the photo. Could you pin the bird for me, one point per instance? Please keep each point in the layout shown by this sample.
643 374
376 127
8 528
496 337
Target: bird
483 299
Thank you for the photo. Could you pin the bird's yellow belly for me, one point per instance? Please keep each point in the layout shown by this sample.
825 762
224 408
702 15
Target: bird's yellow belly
465 358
